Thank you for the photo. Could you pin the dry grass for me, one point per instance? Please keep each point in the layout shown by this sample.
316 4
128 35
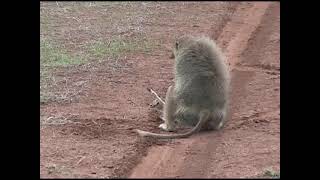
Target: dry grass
75 34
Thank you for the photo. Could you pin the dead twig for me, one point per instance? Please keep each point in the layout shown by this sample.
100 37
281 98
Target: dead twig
149 89
81 159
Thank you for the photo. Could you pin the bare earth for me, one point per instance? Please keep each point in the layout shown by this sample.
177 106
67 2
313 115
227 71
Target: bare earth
98 140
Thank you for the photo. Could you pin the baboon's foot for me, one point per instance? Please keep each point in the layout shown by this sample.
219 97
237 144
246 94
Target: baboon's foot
164 127
220 125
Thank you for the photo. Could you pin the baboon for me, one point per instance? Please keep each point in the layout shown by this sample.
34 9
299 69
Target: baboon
199 96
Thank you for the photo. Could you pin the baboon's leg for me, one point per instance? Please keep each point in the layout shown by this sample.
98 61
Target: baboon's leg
217 121
169 111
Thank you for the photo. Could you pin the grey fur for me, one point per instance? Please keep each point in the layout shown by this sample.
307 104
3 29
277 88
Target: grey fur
199 97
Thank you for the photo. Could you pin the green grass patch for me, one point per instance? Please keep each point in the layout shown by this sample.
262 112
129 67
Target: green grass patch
116 47
53 56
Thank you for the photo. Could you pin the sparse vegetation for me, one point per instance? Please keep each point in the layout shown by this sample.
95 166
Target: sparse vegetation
68 41
118 46
53 56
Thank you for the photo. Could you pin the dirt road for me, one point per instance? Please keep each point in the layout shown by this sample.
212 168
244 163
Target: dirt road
90 135
250 141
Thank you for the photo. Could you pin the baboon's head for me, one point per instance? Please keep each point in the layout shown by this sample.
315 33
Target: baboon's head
180 44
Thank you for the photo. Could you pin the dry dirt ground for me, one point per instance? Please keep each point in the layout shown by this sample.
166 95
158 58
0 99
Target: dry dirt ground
99 58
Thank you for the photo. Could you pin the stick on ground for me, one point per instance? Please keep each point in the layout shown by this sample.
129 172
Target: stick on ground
149 89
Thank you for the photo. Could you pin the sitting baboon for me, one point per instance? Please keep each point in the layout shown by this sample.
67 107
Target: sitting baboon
199 96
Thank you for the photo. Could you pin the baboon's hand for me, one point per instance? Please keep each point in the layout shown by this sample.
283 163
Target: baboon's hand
164 127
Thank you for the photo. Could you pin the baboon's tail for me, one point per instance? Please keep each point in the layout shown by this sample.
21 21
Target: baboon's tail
203 118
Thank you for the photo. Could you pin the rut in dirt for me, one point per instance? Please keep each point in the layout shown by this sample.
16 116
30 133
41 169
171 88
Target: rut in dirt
249 145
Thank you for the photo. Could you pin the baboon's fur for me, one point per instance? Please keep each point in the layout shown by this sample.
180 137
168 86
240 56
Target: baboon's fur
199 97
